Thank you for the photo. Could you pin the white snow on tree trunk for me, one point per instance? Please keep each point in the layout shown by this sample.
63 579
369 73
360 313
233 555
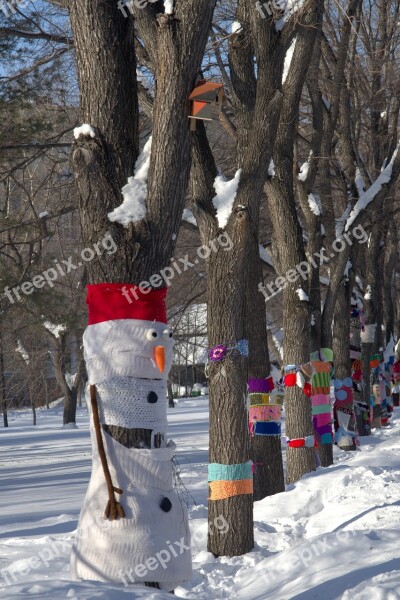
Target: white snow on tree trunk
169 7
347 269
21 350
189 217
43 214
367 197
236 26
314 202
340 222
305 168
70 379
271 168
265 257
54 329
359 181
302 295
389 350
226 193
84 129
368 293
288 60
133 208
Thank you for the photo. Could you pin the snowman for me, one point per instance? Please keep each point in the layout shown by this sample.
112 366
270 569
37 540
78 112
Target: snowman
133 528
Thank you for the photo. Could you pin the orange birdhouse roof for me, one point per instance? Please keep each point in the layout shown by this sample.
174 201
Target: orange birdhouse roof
206 91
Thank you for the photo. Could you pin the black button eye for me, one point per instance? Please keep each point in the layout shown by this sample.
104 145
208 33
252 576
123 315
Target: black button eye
166 504
152 397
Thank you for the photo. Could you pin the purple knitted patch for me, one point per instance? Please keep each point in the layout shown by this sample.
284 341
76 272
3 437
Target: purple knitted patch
259 386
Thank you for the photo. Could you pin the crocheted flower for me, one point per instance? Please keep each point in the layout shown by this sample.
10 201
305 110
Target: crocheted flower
218 353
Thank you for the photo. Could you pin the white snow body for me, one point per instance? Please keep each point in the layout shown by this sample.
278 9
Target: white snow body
142 546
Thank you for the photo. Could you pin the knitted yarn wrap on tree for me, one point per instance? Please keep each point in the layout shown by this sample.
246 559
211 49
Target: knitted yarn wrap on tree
131 515
133 403
105 550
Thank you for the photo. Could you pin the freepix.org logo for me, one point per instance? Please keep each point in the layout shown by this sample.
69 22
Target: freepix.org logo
268 9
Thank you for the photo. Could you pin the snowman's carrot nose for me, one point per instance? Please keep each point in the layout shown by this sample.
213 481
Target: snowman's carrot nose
159 356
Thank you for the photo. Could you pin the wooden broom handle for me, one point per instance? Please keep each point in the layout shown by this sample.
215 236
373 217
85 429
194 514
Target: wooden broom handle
114 510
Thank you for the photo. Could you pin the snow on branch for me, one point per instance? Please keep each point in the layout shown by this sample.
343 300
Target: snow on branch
305 167
189 217
84 129
367 197
133 207
54 329
21 350
226 193
314 202
302 295
169 7
288 60
236 26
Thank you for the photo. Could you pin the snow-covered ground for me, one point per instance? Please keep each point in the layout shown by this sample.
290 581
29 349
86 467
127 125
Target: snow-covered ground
332 535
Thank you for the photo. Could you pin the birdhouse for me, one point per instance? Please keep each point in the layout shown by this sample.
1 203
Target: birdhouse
206 101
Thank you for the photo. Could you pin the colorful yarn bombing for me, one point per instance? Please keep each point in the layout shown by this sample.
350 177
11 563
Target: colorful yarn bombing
307 442
344 416
321 378
320 402
375 361
226 481
396 372
261 386
294 373
357 371
264 418
258 399
220 352
325 354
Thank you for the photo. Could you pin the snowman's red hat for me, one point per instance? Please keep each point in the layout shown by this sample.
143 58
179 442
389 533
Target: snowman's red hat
112 301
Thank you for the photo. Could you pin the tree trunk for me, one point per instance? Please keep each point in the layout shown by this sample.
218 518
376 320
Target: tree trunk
266 452
3 391
171 403
341 357
228 412
369 344
70 402
390 261
33 407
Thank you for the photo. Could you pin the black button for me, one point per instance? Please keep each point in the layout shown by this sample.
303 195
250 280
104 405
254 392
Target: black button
152 397
166 504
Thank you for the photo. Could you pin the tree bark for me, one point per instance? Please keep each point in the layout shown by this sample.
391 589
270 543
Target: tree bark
3 391
341 349
171 403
